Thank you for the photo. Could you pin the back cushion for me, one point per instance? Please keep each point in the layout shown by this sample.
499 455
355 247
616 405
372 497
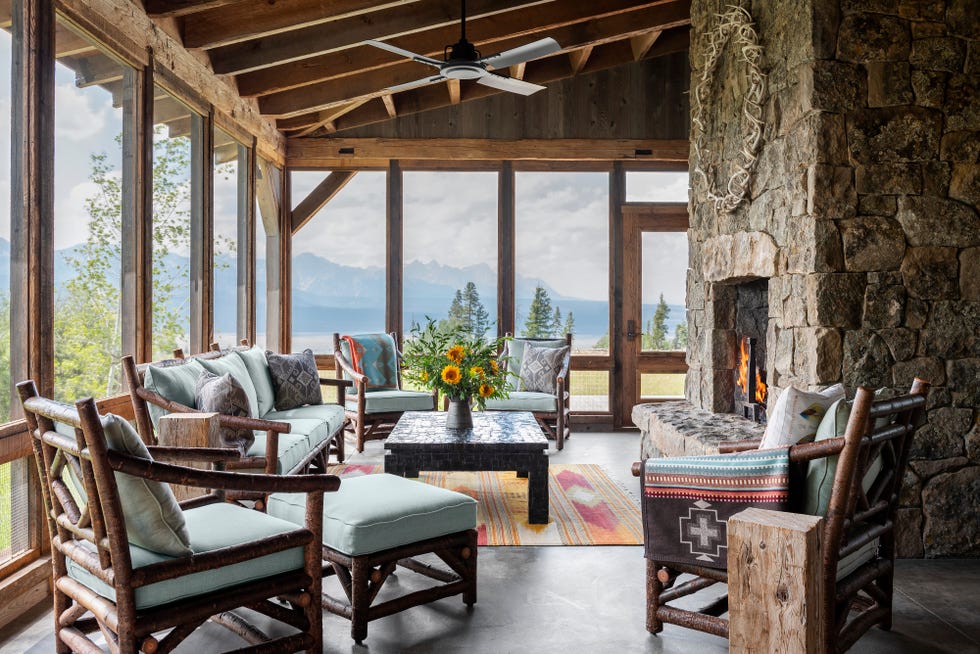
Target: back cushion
223 394
234 366
295 378
258 371
797 415
373 355
154 520
175 382
513 355
540 366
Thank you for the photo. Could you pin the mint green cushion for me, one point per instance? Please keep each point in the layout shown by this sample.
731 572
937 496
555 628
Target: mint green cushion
211 527
176 383
235 366
293 448
258 372
852 561
373 513
387 401
315 431
524 401
332 415
514 351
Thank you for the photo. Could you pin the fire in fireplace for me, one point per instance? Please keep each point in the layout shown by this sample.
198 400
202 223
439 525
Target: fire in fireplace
751 381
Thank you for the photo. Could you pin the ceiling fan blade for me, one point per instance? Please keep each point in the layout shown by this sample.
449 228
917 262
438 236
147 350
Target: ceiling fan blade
419 82
405 53
522 53
509 84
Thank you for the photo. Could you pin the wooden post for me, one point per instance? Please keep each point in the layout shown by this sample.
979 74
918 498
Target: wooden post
395 250
189 430
775 588
506 283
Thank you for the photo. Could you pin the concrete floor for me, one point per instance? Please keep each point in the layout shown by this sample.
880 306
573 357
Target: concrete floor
591 599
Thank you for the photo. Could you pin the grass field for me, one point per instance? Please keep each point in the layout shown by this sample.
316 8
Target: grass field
5 512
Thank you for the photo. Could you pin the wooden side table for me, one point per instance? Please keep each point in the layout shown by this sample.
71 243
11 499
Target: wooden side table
189 430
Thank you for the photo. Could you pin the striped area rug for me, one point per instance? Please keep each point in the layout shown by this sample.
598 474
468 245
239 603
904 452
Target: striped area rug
587 507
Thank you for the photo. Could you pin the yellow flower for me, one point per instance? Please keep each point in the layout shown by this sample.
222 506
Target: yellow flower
451 374
477 371
455 354
494 367
424 376
486 390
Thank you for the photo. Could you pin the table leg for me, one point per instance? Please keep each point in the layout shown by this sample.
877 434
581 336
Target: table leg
394 467
522 474
537 492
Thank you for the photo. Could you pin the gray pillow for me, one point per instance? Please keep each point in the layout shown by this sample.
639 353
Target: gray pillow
540 366
224 394
234 366
295 379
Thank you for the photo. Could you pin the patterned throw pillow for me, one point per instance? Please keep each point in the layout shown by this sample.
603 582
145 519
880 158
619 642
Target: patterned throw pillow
540 366
225 395
796 415
373 355
295 378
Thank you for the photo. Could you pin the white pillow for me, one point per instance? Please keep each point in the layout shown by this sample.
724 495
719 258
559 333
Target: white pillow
797 415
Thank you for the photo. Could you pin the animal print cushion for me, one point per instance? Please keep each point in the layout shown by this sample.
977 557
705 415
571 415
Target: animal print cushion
540 366
295 379
225 395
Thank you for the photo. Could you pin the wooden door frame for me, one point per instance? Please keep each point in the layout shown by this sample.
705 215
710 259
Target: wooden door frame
630 361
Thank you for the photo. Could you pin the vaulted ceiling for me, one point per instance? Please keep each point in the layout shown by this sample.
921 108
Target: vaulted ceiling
307 67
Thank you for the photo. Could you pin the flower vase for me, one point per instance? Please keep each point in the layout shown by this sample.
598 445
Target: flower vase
459 416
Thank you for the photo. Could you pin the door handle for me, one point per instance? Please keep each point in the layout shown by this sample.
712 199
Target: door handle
630 334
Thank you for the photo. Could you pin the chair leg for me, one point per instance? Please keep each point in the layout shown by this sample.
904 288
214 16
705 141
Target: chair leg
469 595
359 435
560 436
654 588
61 604
360 599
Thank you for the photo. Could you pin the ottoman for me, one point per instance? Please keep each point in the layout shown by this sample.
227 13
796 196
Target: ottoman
375 523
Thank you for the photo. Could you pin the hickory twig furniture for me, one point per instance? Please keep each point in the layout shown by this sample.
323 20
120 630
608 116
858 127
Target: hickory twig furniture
858 532
236 557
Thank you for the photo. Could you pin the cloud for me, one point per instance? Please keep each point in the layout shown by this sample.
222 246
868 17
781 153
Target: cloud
80 114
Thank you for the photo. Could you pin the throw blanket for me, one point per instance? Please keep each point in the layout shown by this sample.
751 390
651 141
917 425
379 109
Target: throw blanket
687 501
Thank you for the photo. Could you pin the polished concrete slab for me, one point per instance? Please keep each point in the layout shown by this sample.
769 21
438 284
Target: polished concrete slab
591 599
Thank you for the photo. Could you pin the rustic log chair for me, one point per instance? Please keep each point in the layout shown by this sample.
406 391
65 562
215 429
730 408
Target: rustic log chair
552 411
315 460
873 454
129 593
374 413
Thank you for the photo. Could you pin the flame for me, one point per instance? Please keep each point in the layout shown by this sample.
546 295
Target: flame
743 375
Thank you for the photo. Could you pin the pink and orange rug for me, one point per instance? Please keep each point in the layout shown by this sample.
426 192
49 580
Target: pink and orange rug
587 507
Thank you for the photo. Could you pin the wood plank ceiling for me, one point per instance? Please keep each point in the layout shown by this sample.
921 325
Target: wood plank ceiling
306 65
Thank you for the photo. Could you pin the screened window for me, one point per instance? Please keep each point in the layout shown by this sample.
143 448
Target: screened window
649 186
230 179
339 262
6 392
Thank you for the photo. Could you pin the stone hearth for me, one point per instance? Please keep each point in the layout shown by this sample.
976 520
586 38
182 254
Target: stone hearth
862 214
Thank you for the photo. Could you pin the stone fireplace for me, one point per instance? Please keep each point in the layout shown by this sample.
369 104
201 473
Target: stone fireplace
860 222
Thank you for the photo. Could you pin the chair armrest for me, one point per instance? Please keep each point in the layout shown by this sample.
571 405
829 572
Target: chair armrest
343 383
727 447
196 454
345 365
637 468
237 481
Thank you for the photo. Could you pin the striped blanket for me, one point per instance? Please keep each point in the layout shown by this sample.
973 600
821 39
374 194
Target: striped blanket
687 501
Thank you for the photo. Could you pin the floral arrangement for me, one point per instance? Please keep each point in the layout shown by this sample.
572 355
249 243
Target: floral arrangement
456 363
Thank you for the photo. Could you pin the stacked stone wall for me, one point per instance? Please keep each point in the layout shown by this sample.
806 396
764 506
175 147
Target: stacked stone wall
863 212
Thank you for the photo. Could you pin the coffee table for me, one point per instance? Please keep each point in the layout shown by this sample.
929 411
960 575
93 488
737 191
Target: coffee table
499 440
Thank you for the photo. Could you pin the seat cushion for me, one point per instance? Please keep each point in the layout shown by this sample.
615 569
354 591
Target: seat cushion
233 365
373 355
293 448
211 527
373 513
387 401
258 370
332 415
314 430
524 401
175 382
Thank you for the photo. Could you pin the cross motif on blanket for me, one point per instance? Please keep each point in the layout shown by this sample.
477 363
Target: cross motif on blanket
703 532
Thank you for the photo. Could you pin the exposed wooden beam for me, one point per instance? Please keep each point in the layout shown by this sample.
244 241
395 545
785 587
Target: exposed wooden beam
172 8
95 70
517 70
578 58
642 43
257 18
337 35
389 103
542 71
6 14
325 118
573 23
454 91
312 152
319 197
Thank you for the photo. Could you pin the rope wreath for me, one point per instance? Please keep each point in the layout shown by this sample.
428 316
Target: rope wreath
736 25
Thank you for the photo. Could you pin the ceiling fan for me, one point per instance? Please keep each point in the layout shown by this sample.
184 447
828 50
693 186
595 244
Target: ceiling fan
463 61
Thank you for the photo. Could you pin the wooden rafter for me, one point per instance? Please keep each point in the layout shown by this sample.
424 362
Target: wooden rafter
324 119
573 23
578 58
642 43
517 70
454 91
389 103
319 197
331 37
172 8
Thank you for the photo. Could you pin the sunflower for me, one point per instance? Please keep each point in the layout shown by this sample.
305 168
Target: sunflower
494 368
477 371
424 376
455 353
451 374
486 390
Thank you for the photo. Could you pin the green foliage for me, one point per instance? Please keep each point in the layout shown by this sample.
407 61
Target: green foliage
569 326
680 336
455 362
539 316
655 335
5 357
467 312
556 322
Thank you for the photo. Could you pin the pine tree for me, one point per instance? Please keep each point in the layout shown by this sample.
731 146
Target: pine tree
556 323
538 323
477 319
658 328
569 327
457 312
680 336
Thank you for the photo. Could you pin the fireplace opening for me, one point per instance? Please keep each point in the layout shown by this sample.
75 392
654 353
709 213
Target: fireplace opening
751 322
